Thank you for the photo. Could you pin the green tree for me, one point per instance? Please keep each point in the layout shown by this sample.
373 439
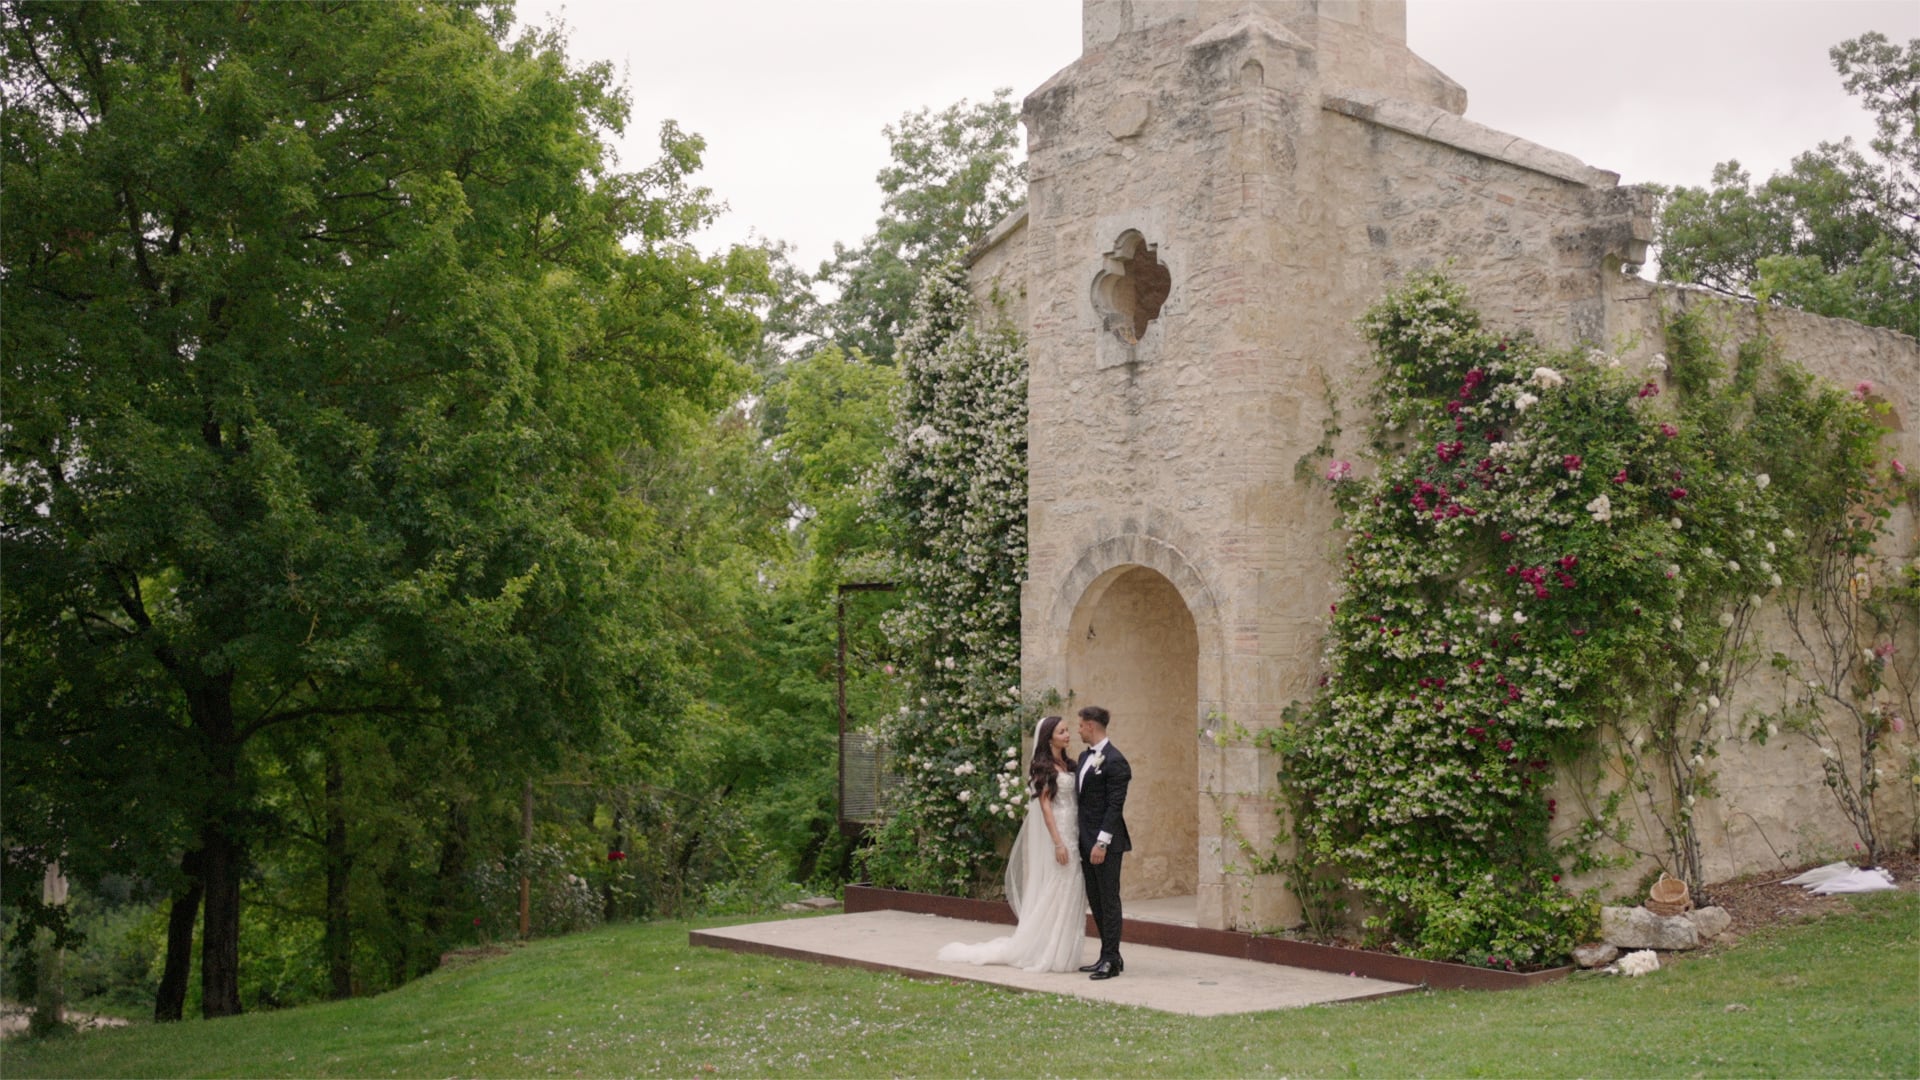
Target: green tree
1838 233
832 418
954 174
328 330
835 418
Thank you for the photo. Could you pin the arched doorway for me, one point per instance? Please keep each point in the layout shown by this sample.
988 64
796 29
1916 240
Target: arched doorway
1132 648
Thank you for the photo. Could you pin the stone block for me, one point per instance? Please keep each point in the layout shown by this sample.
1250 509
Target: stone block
1638 928
1711 922
1598 954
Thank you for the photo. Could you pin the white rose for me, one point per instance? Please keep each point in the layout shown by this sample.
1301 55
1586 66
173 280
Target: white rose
966 796
1761 481
1518 617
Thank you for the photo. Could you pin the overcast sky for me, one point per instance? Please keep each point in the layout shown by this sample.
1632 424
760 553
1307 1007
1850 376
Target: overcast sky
791 94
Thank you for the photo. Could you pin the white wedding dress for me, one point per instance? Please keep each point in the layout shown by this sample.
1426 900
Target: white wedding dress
1050 900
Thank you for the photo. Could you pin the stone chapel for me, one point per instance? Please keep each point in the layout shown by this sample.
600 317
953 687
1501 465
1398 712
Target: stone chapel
1217 190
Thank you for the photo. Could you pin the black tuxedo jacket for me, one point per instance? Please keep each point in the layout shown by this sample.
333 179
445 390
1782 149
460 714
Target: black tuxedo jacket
1103 801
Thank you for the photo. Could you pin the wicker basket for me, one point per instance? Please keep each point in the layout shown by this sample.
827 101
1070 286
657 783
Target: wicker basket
1668 897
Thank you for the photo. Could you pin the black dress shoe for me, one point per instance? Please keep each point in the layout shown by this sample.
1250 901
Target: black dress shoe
1095 966
1106 969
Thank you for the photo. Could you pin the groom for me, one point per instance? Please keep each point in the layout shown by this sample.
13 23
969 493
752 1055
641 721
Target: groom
1103 834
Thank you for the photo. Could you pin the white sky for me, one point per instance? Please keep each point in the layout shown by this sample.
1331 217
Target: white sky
791 94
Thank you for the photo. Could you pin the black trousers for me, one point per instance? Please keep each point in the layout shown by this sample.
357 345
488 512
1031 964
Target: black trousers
1103 896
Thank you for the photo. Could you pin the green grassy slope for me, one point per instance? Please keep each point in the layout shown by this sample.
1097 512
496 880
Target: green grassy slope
1838 997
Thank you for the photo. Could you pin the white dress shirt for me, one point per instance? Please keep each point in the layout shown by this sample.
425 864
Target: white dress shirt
1105 837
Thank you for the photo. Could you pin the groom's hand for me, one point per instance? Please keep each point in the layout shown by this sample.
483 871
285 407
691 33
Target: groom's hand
1099 854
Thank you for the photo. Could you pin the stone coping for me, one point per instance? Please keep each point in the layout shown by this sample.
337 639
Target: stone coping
1016 219
1441 126
1228 943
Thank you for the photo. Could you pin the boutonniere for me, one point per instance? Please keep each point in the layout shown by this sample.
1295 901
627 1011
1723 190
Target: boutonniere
1099 760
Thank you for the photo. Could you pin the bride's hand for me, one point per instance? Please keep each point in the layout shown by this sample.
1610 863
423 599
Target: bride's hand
1060 854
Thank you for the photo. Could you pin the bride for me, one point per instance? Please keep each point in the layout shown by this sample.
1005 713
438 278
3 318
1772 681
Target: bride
1043 881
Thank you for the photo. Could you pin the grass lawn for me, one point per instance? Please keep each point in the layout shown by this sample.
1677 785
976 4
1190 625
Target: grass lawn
1836 997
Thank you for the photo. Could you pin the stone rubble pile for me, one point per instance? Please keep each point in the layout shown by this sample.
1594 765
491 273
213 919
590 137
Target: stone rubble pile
1637 928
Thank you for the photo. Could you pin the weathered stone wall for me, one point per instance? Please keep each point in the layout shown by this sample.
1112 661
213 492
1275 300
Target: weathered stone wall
997 273
1774 807
1134 639
1265 170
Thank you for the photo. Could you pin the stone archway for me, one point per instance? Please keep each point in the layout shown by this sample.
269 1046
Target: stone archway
1132 648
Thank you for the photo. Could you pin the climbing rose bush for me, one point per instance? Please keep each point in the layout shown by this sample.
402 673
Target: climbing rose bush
1541 545
953 495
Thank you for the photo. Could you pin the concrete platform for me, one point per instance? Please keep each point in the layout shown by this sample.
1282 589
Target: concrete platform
1170 980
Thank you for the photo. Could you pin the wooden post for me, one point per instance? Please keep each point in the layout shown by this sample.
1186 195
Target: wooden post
526 849
840 680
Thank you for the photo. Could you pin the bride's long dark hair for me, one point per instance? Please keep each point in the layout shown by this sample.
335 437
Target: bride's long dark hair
1043 776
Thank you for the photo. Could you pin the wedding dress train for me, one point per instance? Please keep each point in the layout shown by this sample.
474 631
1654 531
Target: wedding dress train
1050 900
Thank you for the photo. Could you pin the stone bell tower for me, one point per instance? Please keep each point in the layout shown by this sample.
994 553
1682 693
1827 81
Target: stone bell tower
1217 190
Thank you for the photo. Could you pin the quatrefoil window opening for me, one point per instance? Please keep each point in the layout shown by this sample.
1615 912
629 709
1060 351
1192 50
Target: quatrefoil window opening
1132 288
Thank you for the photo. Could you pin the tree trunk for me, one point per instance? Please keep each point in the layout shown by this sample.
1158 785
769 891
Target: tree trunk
526 849
222 852
339 933
449 876
50 985
171 1002
220 935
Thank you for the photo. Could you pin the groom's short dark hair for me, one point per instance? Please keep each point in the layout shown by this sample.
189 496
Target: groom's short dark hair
1094 713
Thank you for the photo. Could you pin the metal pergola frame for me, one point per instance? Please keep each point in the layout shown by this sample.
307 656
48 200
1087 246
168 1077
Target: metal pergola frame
840 623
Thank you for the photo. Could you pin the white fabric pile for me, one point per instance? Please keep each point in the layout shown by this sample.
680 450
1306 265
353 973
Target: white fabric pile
1642 962
1841 877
